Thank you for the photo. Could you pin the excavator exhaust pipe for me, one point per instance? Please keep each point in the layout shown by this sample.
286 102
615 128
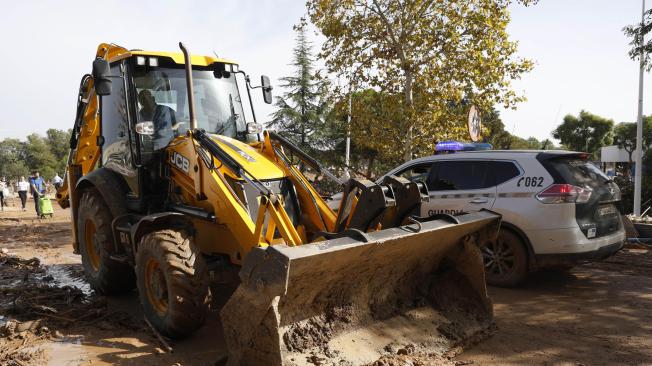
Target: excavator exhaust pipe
351 301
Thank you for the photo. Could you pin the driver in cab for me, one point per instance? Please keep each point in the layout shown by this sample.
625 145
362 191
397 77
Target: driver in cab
162 117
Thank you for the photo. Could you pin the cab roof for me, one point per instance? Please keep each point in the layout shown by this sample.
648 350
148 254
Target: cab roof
113 52
177 57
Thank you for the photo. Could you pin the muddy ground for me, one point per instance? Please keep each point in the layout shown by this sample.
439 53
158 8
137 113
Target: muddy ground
597 314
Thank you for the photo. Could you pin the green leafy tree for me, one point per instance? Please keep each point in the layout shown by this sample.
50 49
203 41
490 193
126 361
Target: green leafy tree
637 33
428 52
12 159
519 143
586 132
625 136
39 156
303 106
58 140
494 131
373 114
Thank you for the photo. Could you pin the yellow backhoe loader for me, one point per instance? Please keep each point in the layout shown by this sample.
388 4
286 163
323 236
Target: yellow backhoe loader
171 182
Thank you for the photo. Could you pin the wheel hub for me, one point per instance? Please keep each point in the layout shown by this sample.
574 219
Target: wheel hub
92 245
498 258
157 289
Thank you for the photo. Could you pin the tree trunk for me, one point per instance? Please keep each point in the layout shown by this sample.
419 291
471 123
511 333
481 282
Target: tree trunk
372 159
409 105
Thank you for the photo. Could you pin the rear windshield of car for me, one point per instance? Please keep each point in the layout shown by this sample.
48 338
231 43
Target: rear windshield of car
579 172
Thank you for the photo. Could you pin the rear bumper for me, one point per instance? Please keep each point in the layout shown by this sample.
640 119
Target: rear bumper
551 260
570 240
570 246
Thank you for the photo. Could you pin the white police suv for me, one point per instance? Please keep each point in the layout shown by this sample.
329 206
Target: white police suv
557 207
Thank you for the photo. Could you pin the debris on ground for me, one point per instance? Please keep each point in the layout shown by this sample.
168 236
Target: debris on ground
31 304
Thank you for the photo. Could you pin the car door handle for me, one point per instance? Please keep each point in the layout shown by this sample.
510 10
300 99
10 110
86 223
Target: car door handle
479 200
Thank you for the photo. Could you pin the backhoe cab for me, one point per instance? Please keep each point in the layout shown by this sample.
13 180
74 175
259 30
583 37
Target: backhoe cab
170 179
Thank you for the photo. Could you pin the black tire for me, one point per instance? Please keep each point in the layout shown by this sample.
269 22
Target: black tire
95 238
172 282
505 260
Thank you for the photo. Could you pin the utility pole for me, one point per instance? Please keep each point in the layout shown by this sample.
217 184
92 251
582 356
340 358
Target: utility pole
347 154
639 124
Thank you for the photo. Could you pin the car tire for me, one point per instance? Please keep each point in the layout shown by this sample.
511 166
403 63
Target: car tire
95 238
505 260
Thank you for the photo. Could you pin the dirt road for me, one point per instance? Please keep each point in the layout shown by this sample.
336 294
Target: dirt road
594 314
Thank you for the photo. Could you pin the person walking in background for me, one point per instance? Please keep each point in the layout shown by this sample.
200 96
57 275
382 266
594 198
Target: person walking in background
3 190
38 189
23 187
57 181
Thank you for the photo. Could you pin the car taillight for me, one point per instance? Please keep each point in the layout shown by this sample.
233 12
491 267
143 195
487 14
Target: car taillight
564 193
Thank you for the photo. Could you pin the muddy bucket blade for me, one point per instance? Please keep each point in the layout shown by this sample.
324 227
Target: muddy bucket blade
350 301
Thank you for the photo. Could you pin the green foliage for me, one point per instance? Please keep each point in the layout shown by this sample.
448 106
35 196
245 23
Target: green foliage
531 143
637 33
372 113
12 162
425 54
39 156
48 155
494 130
627 186
58 140
587 132
495 133
303 106
625 135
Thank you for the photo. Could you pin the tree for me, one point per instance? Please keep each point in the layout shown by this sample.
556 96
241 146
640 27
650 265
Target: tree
38 156
12 159
494 130
428 52
587 132
519 143
625 136
637 33
58 140
303 106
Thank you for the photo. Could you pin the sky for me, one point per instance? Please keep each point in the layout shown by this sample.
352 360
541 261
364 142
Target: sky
578 47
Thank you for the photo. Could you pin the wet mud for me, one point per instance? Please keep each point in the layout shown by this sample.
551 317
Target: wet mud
595 314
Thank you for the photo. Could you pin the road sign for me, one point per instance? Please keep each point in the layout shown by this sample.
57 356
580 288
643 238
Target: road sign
475 124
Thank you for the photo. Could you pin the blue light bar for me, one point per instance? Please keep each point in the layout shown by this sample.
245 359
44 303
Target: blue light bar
452 146
449 146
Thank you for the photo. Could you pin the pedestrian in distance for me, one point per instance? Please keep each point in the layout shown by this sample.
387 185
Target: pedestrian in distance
37 185
3 191
23 188
57 181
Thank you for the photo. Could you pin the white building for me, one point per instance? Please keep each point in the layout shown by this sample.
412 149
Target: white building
612 155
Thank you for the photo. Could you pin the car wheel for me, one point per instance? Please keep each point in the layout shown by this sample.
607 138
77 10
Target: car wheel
505 260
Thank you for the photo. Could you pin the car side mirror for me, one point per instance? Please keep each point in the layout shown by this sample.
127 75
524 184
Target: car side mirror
267 89
101 77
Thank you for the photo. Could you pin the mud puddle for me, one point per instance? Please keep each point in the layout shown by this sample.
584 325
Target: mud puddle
67 275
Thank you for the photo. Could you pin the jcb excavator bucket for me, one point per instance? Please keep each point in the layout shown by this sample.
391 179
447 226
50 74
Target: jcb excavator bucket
347 301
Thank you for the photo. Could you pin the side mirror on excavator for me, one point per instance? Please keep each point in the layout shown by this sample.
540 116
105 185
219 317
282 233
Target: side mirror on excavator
267 89
101 76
